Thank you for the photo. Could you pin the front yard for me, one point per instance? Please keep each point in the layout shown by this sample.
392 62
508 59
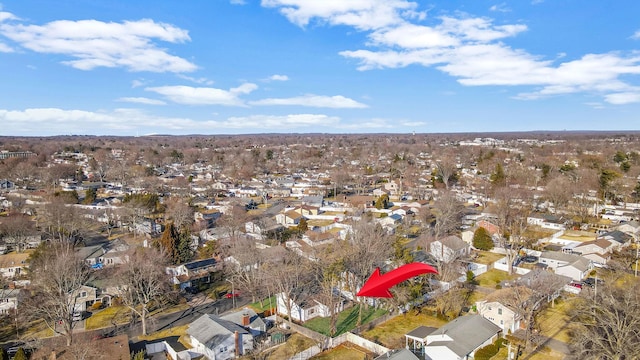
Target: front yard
347 320
487 257
554 322
391 333
346 351
111 316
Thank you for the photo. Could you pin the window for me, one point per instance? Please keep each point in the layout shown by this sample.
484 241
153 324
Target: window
83 294
223 349
501 322
499 311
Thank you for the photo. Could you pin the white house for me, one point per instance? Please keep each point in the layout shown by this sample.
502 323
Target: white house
219 339
307 308
500 315
450 248
9 299
460 338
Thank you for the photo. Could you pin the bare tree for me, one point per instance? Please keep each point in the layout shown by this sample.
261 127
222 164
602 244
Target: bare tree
246 269
144 280
17 230
607 324
290 277
179 212
63 222
448 214
57 276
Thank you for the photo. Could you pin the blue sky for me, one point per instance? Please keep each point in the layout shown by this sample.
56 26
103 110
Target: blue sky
116 67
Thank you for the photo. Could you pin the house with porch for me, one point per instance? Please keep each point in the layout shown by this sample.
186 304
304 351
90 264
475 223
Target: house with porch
219 339
192 274
460 338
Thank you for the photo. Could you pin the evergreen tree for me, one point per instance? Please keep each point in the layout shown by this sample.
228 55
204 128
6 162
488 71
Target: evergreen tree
498 177
184 253
3 354
168 242
482 240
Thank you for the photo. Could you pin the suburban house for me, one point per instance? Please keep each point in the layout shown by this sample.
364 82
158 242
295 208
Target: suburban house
85 297
6 184
248 319
460 338
219 339
192 274
13 264
508 319
9 299
449 249
618 238
574 266
308 307
547 221
598 250
117 253
91 254
398 354
288 218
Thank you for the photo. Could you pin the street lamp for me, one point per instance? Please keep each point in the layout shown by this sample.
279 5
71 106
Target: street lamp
233 293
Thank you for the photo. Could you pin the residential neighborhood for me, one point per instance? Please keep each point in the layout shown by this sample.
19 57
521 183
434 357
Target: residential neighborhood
242 247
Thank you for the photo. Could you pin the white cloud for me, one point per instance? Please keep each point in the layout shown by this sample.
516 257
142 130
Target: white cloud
470 49
5 48
4 16
336 102
54 121
636 35
204 95
200 80
137 83
93 43
142 100
361 14
277 77
375 123
238 2
502 7
623 98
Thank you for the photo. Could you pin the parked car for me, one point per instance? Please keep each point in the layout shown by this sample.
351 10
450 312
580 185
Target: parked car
576 285
591 282
230 295
191 290
530 259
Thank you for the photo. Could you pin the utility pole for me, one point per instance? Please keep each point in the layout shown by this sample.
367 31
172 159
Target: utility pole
233 293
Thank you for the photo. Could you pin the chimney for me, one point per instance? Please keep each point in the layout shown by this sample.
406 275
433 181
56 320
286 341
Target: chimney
237 338
245 319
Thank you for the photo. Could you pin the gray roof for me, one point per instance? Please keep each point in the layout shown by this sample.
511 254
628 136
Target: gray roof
398 354
559 256
255 322
468 332
454 243
421 332
212 330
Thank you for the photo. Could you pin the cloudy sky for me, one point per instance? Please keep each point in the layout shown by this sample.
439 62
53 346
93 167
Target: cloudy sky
124 67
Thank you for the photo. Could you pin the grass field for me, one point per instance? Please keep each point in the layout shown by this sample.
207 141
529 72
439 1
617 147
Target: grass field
268 303
343 352
294 344
391 333
180 331
347 320
486 257
108 317
554 321
493 277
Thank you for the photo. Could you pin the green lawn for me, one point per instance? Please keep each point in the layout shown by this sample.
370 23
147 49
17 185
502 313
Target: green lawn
486 257
268 303
391 333
343 352
347 320
294 344
493 277
107 317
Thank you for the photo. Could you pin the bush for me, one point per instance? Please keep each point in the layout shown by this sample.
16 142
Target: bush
96 305
486 352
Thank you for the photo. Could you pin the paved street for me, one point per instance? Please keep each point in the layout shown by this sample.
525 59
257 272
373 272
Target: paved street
200 306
